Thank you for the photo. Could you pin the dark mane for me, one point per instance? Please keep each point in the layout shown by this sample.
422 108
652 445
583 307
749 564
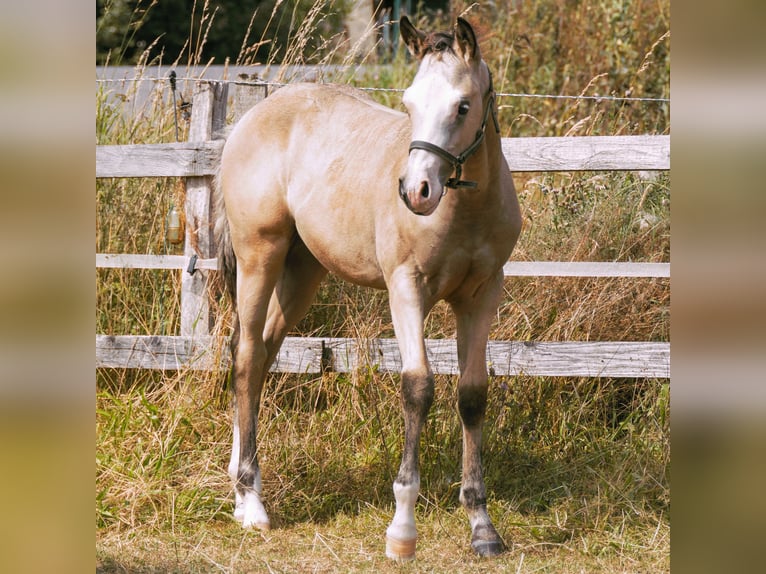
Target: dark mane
438 42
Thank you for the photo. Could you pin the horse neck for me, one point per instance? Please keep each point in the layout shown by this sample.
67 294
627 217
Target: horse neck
489 154
486 164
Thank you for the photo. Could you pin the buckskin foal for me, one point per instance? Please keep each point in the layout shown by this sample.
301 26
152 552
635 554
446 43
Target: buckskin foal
319 178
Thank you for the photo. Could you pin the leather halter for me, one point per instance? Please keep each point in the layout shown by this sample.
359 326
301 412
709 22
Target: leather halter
458 161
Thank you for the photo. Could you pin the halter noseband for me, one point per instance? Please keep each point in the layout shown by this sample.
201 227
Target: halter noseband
458 161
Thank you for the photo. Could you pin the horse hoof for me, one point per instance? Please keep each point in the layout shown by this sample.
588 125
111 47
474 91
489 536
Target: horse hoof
400 550
265 526
488 548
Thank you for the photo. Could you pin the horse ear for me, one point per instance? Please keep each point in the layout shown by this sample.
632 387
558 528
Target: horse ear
465 44
413 37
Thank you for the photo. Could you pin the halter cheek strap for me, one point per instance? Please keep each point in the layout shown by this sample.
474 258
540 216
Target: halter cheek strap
458 161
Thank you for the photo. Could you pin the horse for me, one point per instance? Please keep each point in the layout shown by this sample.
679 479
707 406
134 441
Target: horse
320 178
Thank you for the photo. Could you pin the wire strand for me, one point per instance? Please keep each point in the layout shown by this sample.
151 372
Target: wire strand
394 90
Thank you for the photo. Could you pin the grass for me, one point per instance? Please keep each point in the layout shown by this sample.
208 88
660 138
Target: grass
577 470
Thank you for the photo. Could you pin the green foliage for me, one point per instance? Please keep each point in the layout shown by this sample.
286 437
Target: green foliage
202 31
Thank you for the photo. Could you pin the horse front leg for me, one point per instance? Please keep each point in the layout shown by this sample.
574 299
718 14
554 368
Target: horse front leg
474 316
417 394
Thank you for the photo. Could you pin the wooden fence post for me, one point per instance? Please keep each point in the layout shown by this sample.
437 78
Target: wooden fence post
208 116
248 93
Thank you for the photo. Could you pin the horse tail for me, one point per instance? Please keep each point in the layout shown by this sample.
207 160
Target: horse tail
227 261
227 265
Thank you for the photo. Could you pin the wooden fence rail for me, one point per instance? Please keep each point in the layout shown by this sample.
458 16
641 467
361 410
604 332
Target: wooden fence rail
310 355
197 160
586 153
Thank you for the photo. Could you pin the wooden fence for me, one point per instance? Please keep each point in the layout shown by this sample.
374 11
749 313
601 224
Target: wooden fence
195 348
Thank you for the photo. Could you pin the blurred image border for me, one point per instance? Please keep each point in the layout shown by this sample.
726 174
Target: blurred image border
718 388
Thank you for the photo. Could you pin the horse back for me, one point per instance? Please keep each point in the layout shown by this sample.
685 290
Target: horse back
322 160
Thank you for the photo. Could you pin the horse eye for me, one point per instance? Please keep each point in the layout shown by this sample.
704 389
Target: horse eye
463 108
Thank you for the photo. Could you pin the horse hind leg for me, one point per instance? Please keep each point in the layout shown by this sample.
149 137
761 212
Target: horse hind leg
473 322
292 296
258 269
298 277
239 503
261 520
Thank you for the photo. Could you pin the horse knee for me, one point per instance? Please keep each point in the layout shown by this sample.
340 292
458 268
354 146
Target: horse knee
417 397
472 404
417 393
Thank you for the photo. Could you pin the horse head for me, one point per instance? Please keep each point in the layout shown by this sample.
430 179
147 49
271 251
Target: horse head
448 102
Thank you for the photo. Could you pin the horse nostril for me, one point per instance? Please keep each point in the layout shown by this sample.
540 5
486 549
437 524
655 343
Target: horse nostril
424 191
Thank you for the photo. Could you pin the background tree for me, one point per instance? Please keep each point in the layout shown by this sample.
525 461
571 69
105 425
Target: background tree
196 31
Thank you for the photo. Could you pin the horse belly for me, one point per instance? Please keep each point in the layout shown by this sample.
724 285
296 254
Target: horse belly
343 245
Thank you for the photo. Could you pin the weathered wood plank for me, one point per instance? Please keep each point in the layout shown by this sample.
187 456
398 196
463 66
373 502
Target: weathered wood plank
157 353
585 269
132 261
511 269
180 159
315 355
574 359
208 111
523 154
581 359
246 96
588 153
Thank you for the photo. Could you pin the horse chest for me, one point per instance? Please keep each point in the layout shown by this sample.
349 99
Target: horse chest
456 269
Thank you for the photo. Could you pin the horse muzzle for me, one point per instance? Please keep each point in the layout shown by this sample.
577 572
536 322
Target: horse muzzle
420 199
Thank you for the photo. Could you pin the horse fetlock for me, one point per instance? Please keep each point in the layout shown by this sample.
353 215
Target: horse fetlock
249 477
248 508
473 499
